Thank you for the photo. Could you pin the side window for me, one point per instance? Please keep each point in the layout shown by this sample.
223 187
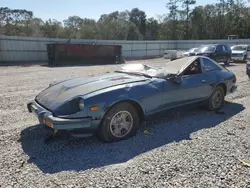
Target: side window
224 48
209 65
219 48
194 68
248 48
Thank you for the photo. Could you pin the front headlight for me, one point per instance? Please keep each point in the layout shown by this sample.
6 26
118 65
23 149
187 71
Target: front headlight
81 104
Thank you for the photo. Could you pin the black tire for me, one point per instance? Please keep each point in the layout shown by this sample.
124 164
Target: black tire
104 131
227 62
210 105
245 58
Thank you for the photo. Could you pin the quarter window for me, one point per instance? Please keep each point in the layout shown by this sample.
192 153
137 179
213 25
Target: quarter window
209 65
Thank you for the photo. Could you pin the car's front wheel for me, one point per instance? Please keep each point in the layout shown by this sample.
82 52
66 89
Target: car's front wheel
216 100
120 122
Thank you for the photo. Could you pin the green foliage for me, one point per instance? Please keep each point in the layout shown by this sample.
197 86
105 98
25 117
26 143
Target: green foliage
183 21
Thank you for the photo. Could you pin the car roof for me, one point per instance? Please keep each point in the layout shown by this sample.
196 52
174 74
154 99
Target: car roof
241 45
209 45
214 44
178 65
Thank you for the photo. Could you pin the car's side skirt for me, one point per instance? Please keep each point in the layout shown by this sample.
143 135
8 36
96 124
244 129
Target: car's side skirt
175 106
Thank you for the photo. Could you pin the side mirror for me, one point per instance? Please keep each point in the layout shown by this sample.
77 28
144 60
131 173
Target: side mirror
178 79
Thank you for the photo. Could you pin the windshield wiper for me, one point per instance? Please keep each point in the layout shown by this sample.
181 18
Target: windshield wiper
135 73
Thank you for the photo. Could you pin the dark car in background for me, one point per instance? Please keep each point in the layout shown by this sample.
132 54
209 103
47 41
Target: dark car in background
248 68
217 52
190 52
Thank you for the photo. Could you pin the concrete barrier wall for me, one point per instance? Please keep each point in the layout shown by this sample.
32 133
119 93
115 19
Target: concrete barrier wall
34 49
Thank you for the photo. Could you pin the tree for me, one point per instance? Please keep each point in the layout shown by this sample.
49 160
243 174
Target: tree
197 18
172 6
52 28
187 9
152 29
138 18
183 21
90 29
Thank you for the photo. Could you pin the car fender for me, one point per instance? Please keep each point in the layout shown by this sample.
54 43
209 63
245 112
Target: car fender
145 95
106 98
137 104
220 83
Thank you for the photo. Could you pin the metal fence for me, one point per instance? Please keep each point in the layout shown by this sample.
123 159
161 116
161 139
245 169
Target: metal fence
34 49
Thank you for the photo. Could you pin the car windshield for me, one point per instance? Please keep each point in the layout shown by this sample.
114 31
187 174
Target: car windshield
206 49
170 68
239 48
139 69
193 50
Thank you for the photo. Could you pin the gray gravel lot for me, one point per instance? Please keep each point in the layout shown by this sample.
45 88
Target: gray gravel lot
190 147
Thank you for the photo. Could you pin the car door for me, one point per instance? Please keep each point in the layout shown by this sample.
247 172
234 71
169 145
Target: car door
226 54
209 69
192 88
219 54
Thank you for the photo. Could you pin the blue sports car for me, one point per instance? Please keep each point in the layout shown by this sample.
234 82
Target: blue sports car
113 105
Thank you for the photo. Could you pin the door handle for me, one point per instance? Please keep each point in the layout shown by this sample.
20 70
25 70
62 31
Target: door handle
203 81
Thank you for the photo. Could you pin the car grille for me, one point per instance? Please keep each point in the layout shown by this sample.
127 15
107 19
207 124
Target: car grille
237 55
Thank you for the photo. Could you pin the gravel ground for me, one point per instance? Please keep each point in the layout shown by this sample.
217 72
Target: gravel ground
191 148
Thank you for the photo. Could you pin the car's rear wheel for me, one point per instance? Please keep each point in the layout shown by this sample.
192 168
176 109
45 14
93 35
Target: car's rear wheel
120 122
216 100
245 58
227 62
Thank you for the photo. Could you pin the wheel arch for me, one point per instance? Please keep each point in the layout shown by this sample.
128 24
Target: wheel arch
223 85
135 103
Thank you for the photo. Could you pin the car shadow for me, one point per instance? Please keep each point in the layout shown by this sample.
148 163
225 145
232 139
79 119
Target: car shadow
71 154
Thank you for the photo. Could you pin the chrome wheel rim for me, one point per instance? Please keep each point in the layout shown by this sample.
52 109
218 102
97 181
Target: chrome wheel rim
121 124
217 99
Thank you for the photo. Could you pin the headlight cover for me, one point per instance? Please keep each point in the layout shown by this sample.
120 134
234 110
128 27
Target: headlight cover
81 104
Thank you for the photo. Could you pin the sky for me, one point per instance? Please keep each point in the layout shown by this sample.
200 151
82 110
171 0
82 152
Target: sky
62 9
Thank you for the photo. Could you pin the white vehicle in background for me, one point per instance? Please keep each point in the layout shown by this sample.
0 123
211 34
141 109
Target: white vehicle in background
170 54
240 52
190 52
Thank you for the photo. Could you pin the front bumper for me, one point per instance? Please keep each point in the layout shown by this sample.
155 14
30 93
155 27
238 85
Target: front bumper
81 125
237 58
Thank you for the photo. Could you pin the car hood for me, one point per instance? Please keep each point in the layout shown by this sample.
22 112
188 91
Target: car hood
55 95
238 52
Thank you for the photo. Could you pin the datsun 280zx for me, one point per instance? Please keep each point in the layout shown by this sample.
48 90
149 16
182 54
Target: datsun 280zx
113 105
